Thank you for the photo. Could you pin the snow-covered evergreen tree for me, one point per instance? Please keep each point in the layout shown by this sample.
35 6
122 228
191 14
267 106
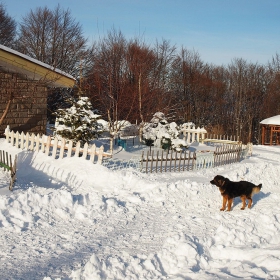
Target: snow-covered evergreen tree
160 133
79 122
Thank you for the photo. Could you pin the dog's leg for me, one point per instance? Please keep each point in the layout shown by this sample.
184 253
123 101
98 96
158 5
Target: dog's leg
243 198
225 198
250 202
230 200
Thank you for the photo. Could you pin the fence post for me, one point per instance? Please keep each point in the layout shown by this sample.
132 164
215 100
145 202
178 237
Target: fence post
92 153
7 133
85 150
54 149
77 149
62 147
48 145
32 142
22 140
161 161
13 172
100 155
70 146
17 140
37 143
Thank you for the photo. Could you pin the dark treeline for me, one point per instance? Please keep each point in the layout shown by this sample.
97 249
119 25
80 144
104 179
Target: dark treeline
128 79
131 80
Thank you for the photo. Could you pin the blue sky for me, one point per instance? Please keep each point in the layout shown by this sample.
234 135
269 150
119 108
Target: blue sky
219 30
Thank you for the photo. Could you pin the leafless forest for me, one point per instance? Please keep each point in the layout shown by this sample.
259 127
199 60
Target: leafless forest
127 79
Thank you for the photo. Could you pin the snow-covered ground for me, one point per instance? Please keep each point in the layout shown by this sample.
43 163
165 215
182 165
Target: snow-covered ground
71 219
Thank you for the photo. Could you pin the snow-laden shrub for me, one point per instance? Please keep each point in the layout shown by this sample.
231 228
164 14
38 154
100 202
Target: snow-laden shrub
160 133
79 122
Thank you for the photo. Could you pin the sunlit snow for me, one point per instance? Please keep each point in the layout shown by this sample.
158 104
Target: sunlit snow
71 219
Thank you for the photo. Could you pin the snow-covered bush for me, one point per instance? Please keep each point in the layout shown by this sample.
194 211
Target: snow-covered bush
160 133
79 122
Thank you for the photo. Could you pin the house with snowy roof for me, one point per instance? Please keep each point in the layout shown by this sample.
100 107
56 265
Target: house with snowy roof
24 86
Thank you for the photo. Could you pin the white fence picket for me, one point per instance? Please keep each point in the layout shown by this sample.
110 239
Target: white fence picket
26 141
92 153
37 143
70 145
48 145
62 147
22 140
100 155
17 139
32 142
85 150
54 149
77 149
43 143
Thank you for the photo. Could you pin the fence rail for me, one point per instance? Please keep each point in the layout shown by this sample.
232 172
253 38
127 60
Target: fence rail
57 148
8 164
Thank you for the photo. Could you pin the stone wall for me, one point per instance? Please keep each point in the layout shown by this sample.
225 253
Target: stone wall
28 111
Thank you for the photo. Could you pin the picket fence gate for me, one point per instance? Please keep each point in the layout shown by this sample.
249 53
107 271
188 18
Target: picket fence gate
57 148
9 165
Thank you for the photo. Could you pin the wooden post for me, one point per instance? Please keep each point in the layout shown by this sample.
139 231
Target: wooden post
184 160
17 139
12 138
22 140
42 142
54 149
77 149
157 162
32 142
166 161
152 161
193 159
7 133
161 161
147 159
62 147
175 162
48 145
70 147
85 150
142 160
92 153
27 141
100 154
37 143
180 161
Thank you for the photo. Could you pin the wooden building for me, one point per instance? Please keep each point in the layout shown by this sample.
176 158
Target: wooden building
270 129
24 86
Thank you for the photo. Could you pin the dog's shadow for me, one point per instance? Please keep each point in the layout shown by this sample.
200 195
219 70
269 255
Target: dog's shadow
256 198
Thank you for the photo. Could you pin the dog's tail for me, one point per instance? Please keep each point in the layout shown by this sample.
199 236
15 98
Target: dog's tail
257 189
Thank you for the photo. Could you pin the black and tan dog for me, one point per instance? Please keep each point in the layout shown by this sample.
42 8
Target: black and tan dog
229 190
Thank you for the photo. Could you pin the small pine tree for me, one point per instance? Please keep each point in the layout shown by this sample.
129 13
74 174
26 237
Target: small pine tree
79 122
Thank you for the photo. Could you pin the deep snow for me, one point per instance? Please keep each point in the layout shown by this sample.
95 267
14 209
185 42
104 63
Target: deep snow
71 219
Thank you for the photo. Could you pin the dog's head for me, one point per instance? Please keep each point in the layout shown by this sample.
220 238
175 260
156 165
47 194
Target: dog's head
219 181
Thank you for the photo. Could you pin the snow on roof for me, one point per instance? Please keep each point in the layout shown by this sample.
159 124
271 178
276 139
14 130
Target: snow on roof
36 61
272 120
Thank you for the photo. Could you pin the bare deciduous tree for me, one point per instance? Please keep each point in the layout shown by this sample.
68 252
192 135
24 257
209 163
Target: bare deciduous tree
7 28
55 38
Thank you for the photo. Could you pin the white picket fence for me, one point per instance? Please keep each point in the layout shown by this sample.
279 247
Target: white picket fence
192 134
56 148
